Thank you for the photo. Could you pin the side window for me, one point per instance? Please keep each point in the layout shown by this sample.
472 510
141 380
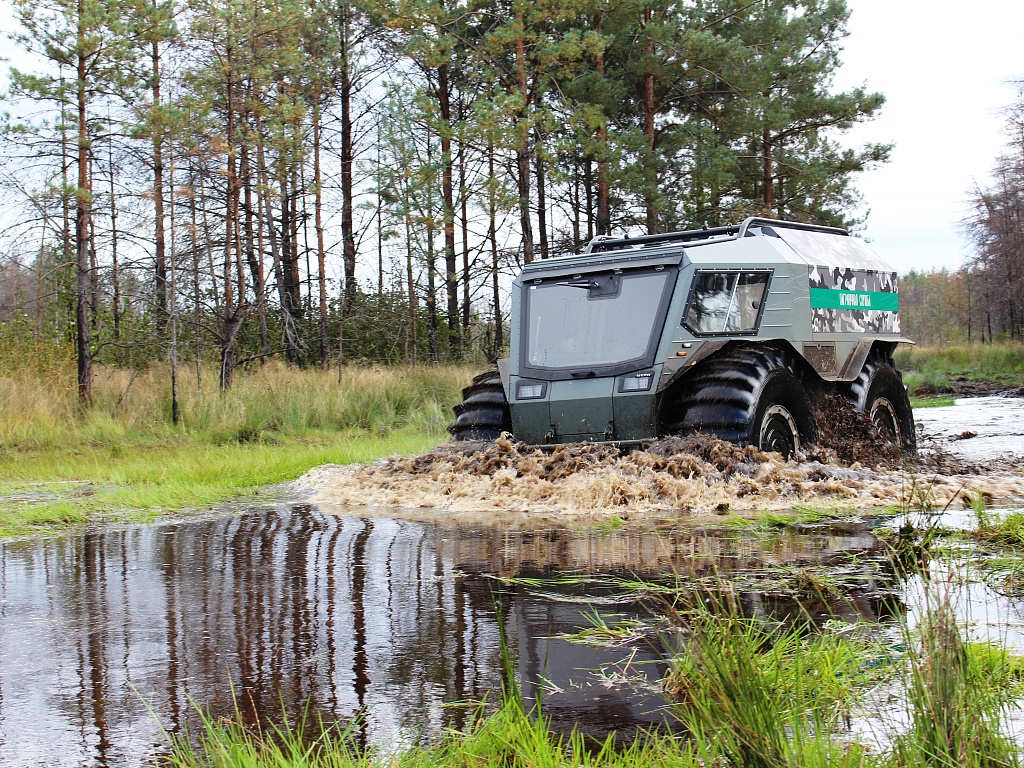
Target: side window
726 301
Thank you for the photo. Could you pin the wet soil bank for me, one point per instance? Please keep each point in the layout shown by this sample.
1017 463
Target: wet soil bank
961 386
675 479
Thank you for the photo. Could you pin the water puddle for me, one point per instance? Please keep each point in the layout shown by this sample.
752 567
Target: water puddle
108 639
977 428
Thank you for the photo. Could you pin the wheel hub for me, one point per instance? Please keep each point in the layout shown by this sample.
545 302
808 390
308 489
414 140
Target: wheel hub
779 432
883 416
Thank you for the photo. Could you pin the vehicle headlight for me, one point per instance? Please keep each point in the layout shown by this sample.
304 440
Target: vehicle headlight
638 382
530 390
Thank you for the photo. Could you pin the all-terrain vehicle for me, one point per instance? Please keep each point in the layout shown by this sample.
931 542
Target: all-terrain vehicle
732 331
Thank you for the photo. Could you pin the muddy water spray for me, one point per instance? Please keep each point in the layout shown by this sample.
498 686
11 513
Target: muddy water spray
690 476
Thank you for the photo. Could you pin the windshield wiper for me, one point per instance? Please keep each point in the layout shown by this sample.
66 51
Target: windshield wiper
588 284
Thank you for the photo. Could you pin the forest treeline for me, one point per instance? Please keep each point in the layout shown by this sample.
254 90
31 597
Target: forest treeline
983 301
347 180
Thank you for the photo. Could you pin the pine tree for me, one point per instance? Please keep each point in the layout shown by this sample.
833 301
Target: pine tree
94 41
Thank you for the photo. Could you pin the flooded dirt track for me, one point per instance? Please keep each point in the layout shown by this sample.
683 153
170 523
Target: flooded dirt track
109 637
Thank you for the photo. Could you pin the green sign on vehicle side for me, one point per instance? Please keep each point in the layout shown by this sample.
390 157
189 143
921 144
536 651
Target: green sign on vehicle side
832 298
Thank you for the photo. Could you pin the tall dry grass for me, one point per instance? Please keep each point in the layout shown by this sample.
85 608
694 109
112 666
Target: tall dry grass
41 410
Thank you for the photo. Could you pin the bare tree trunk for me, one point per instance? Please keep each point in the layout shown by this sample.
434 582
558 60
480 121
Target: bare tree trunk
651 176
83 201
492 236
574 204
288 289
232 316
254 247
196 306
604 215
295 279
348 236
766 160
321 250
542 213
412 290
41 271
464 202
160 250
268 214
380 226
94 272
431 297
302 193
523 146
588 188
451 278
114 270
175 407
65 164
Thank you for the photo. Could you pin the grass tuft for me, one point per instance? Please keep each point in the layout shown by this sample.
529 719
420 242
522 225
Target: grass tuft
755 695
956 692
1005 532
511 737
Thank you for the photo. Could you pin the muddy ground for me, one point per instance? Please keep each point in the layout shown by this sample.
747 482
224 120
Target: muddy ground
693 477
961 386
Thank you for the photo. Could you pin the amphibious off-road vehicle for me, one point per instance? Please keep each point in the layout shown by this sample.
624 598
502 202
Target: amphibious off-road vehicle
732 331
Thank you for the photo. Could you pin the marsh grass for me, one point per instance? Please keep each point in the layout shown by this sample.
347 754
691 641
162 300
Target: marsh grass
769 521
956 693
760 695
269 403
124 456
929 401
511 737
764 696
1007 531
227 743
932 367
987 360
999 543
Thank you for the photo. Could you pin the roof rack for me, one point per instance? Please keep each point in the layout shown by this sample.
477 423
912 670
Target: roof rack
606 243
754 222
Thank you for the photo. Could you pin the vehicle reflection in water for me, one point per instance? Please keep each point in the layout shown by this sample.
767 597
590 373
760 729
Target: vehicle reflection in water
111 637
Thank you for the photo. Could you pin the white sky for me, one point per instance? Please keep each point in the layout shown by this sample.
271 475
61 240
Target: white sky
944 68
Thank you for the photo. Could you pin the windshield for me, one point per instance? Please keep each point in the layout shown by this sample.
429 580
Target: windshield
595 320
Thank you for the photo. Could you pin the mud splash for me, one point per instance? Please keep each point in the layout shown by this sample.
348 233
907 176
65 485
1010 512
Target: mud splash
691 477
847 436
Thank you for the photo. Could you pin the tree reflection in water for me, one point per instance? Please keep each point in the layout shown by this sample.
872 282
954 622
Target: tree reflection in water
288 607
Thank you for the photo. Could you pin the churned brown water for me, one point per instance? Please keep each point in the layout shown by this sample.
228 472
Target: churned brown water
689 479
107 639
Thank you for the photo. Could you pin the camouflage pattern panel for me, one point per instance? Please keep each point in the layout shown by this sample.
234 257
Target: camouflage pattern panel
845 300
841 251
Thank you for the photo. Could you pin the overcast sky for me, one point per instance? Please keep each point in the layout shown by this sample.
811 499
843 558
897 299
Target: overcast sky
944 68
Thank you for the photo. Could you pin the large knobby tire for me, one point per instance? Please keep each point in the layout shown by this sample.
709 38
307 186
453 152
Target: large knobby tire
483 413
879 392
750 395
